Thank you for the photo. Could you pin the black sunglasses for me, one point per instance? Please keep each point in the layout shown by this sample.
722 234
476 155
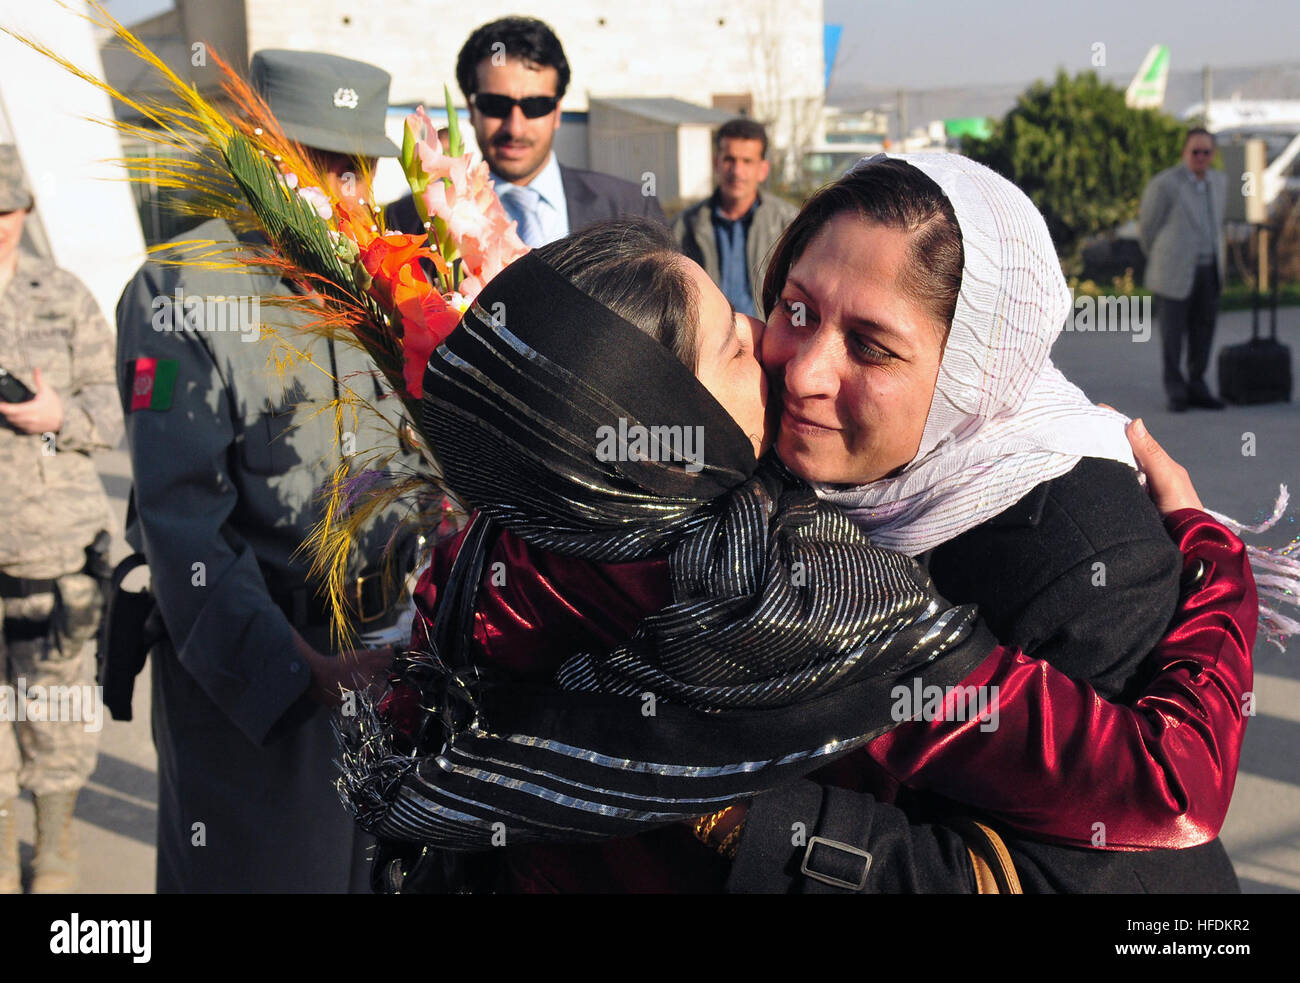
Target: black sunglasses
499 107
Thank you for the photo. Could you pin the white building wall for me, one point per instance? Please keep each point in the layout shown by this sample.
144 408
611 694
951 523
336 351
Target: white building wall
631 147
695 156
83 203
690 49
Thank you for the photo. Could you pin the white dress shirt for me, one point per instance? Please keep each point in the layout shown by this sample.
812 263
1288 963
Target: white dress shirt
552 211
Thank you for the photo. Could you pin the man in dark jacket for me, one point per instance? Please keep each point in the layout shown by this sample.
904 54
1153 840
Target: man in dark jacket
732 232
514 74
228 457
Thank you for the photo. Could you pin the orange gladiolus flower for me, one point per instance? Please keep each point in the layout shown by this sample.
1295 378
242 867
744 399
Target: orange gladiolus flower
393 261
427 323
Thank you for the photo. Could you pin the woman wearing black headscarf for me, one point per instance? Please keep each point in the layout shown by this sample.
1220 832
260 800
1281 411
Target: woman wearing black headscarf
784 636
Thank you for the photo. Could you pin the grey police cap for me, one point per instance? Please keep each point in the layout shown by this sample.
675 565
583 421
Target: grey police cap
14 196
326 101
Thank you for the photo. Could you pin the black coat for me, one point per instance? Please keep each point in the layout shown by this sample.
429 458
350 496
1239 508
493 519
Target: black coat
589 198
1033 572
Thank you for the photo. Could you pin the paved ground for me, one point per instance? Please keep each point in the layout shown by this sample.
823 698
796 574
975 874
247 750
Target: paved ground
116 813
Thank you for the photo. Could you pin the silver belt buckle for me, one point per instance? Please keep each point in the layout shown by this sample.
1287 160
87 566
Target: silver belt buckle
830 879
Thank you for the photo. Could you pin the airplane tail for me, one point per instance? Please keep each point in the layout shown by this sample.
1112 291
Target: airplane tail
1147 90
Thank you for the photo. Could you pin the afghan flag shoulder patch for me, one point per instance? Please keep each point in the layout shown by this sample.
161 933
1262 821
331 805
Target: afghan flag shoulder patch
151 382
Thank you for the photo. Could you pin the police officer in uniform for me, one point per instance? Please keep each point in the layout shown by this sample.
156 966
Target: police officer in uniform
228 456
59 405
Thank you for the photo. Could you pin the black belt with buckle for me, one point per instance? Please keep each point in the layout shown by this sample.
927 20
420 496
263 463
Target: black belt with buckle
26 629
306 607
22 587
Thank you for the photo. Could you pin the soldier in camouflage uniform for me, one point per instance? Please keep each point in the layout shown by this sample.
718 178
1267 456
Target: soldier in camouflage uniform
54 340
228 457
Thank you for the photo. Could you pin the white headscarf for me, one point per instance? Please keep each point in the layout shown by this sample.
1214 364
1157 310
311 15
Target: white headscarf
1003 418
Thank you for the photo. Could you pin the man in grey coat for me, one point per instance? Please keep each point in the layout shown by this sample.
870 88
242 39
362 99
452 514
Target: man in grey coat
229 449
731 234
1181 229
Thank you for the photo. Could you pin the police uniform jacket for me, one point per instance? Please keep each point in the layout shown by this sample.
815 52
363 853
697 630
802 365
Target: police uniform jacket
227 470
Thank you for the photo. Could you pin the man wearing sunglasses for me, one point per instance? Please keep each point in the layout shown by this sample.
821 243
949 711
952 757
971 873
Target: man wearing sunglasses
1181 229
514 74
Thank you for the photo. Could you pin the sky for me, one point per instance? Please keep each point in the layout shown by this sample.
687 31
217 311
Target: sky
130 11
938 43
922 44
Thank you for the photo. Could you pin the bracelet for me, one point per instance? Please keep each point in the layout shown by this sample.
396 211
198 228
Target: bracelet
705 824
731 845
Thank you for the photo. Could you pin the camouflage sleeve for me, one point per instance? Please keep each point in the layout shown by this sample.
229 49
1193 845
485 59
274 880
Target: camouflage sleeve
92 415
227 632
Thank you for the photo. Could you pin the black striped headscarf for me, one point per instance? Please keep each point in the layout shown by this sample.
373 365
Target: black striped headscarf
786 633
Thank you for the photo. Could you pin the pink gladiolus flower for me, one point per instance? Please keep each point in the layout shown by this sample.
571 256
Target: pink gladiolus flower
461 195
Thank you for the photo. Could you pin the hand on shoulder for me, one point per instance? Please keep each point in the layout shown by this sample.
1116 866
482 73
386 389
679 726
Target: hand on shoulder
1168 482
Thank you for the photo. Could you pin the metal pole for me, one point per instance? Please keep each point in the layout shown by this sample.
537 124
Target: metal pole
1272 313
1255 294
1263 258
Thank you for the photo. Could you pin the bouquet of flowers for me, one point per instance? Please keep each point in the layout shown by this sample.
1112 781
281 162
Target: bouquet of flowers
397 296
470 240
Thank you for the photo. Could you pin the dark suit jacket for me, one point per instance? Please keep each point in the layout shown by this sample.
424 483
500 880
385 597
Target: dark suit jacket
589 197
1032 571
593 197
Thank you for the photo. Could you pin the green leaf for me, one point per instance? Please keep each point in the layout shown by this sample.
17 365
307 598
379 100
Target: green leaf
410 166
415 176
454 145
298 234
1080 153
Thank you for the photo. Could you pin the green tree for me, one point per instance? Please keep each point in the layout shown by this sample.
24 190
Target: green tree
1080 154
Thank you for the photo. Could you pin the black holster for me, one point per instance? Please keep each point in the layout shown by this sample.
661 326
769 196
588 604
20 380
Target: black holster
98 564
131 626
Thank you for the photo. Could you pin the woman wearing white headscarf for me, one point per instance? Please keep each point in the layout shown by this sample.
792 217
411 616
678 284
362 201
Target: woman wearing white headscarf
912 307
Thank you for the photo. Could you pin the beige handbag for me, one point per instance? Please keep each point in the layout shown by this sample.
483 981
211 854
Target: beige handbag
995 873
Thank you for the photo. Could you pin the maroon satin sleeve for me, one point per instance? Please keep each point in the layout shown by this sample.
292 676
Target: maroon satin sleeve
1061 760
535 609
